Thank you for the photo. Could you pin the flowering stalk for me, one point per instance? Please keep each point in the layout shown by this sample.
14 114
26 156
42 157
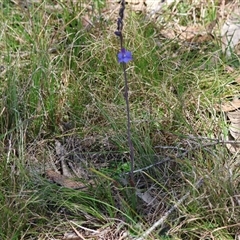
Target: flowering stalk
125 56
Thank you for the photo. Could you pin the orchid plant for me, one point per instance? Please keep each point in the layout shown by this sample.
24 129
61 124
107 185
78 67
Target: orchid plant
124 57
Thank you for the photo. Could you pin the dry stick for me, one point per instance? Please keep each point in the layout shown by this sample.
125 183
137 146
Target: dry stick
167 159
184 152
166 215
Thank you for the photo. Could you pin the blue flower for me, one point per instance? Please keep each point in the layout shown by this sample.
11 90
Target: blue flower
124 56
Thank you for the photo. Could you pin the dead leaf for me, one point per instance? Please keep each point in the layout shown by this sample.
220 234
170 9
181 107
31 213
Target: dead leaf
147 197
230 37
62 153
229 69
136 5
238 236
233 148
238 80
234 131
229 106
155 7
63 180
192 34
233 113
230 30
234 128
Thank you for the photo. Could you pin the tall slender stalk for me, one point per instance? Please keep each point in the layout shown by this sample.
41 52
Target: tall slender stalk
125 56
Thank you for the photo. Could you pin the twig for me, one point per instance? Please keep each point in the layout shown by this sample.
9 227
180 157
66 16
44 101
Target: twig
215 140
184 152
77 233
85 228
150 166
166 215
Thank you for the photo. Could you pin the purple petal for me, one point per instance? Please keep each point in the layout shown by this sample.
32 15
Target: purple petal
124 56
118 33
